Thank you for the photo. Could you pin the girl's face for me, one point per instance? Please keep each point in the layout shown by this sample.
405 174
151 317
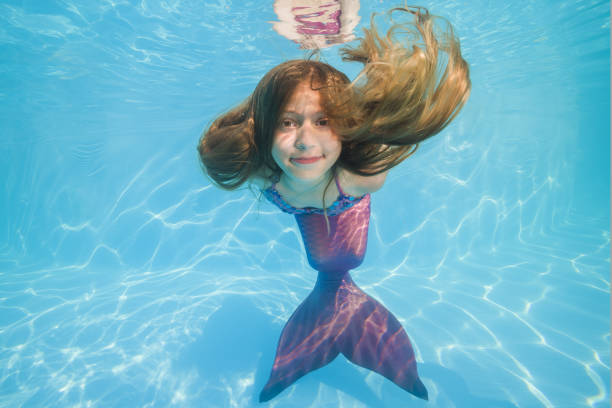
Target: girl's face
305 146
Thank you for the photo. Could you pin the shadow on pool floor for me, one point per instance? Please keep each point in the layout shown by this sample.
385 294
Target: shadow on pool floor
233 358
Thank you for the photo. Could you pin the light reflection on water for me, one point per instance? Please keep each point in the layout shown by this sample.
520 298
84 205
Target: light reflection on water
127 280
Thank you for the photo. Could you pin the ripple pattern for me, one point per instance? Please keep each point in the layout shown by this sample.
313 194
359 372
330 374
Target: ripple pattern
126 279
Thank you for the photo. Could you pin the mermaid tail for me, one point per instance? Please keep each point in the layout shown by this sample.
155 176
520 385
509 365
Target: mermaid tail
338 317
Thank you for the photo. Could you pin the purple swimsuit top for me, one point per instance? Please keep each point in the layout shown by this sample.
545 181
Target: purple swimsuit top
339 249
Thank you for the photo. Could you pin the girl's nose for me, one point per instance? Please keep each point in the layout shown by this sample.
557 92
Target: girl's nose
300 144
304 137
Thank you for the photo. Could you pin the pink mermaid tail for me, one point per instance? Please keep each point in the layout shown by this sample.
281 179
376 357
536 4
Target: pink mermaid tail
337 316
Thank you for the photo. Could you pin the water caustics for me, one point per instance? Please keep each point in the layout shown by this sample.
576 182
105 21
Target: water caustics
127 280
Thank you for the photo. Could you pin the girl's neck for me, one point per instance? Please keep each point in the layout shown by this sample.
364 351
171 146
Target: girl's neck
307 194
304 187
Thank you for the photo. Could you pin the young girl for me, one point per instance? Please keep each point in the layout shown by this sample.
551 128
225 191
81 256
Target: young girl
317 145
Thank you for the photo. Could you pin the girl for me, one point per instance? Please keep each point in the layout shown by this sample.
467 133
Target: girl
317 145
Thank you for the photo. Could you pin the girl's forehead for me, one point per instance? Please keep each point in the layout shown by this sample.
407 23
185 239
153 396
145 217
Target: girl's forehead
304 103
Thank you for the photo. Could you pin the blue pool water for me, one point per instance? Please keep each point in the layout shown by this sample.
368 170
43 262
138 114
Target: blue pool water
127 280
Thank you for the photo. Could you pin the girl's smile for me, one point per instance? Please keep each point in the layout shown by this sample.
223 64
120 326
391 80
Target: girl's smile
305 160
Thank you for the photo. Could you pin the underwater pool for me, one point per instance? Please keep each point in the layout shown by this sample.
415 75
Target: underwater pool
127 280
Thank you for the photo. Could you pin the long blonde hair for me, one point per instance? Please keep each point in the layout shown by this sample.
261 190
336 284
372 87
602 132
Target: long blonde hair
413 83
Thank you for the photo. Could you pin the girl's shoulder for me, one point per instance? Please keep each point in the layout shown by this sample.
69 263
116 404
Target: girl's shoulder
356 185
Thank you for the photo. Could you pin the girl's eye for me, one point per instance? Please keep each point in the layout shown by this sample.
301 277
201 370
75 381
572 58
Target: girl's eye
287 123
323 122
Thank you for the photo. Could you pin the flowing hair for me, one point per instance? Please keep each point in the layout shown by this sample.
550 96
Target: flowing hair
413 83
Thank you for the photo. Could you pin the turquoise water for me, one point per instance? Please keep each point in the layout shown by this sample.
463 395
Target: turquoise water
127 280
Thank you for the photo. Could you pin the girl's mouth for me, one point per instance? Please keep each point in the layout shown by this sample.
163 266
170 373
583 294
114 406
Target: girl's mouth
305 160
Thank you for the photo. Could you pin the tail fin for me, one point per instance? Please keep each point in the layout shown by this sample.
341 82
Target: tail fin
338 317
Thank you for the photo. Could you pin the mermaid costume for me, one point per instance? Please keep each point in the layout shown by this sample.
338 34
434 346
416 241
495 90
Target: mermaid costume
337 316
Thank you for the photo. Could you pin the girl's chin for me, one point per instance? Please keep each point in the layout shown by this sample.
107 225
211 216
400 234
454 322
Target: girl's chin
307 173
308 176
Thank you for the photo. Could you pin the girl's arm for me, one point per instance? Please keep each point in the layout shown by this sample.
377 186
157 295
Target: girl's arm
357 185
360 184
